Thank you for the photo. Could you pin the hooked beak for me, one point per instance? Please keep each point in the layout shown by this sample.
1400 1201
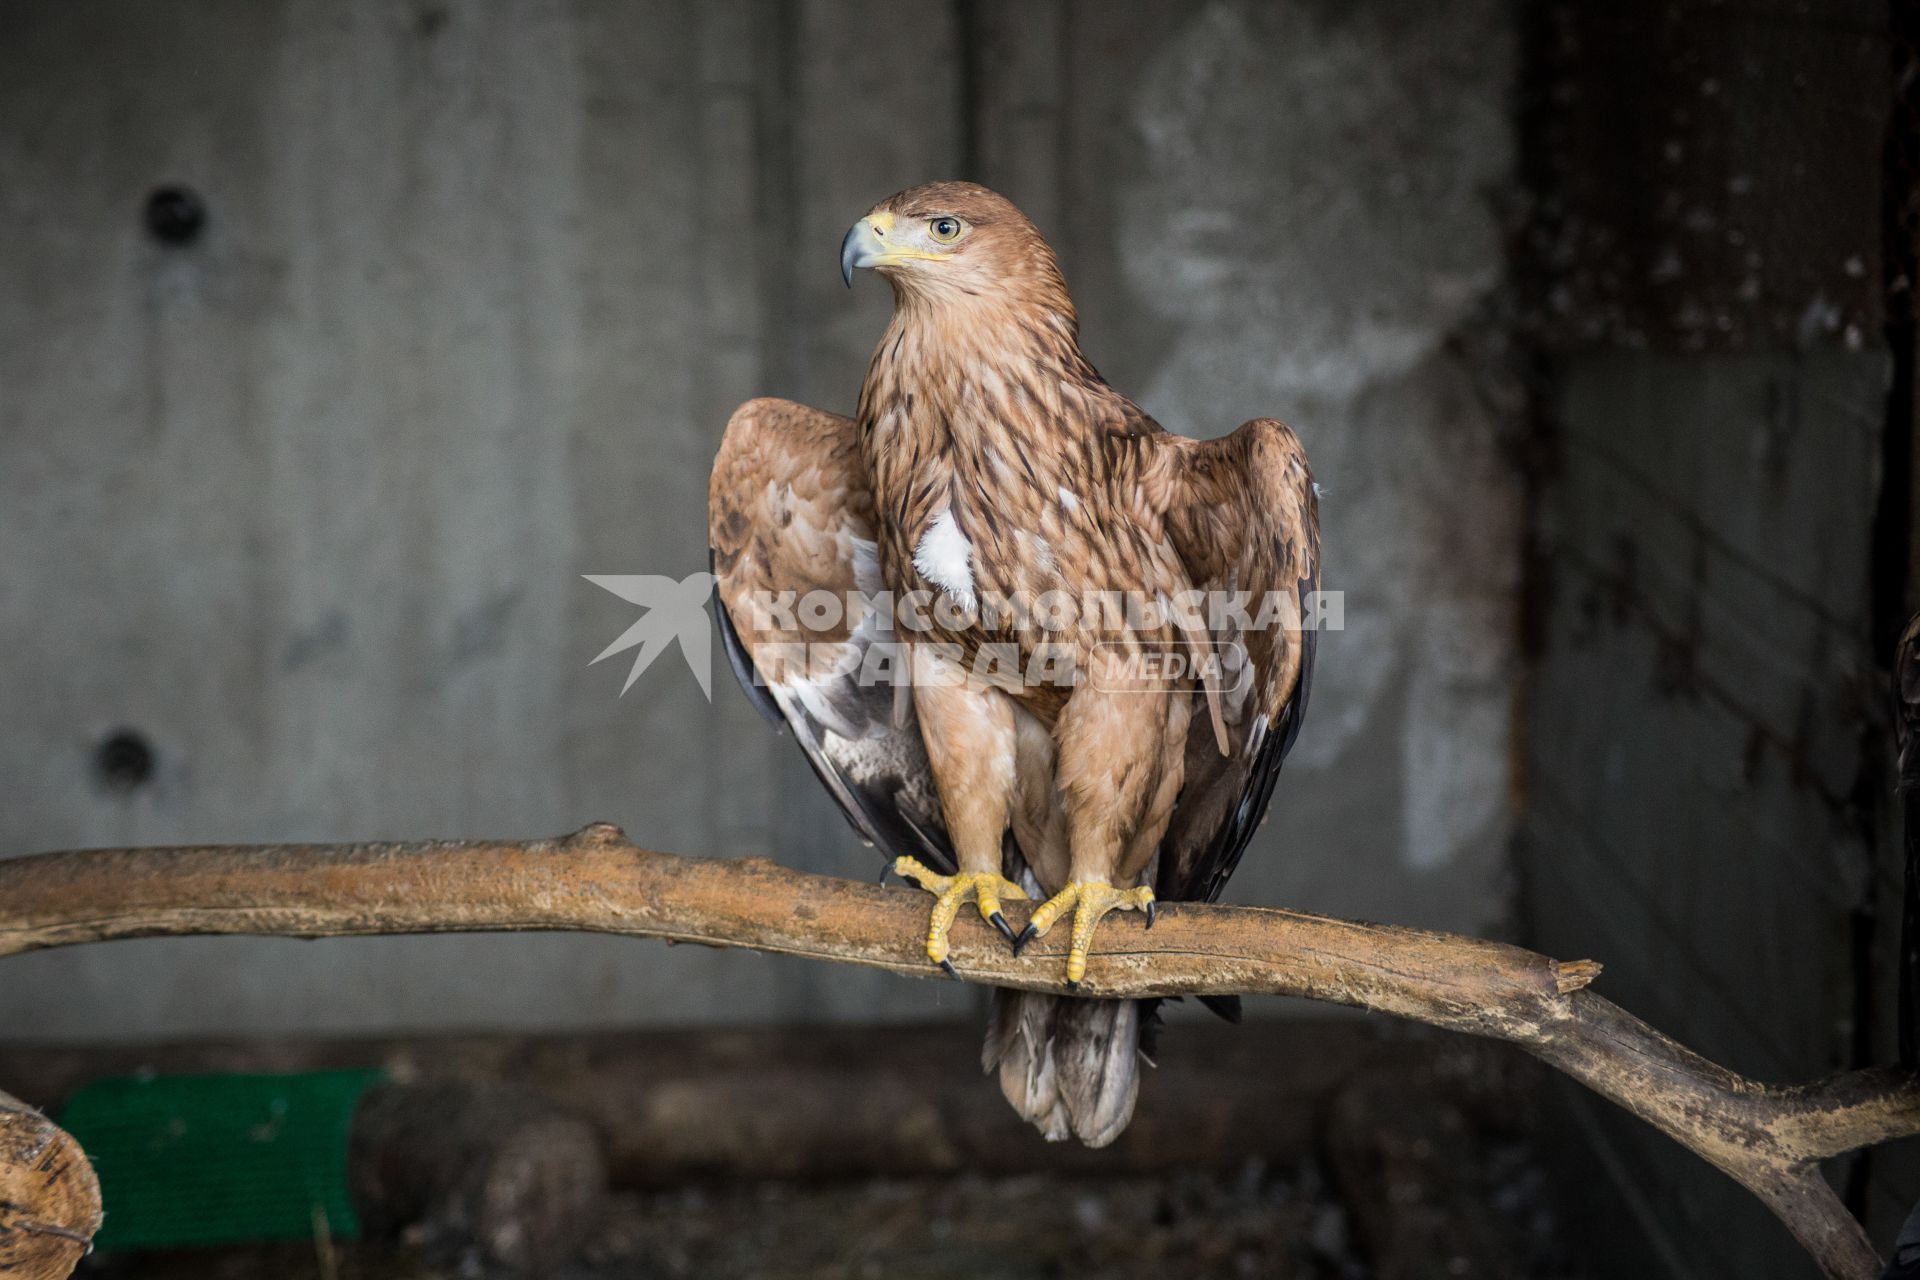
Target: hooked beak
864 246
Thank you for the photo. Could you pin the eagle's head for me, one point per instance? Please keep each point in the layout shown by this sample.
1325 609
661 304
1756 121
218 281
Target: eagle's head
954 241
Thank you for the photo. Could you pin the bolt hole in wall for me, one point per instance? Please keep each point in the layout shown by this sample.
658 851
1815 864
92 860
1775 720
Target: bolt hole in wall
175 215
124 761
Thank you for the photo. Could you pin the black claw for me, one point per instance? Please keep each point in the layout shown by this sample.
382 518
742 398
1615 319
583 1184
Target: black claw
948 966
999 922
1152 911
1027 935
1072 985
885 867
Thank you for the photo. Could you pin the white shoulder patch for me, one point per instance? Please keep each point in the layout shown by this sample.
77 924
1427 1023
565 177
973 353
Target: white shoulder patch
945 558
1068 502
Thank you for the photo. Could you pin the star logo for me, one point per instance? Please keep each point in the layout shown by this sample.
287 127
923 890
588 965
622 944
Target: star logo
675 611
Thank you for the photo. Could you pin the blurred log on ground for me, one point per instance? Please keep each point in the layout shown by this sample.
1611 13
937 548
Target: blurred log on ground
49 1197
460 1166
1771 1139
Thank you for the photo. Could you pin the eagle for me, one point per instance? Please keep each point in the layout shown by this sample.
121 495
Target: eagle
1033 644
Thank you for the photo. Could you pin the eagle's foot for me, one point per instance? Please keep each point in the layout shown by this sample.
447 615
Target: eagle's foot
984 888
1089 900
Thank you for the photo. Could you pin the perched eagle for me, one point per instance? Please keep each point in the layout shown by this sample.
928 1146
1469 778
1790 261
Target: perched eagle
990 607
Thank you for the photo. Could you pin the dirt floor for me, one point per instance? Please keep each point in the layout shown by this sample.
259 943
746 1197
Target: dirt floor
1199 1226
1036 1227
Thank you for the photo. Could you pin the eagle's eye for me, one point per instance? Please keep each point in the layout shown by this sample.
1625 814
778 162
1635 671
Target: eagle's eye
945 230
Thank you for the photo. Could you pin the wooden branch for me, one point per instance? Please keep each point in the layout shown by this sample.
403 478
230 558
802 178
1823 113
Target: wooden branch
1769 1139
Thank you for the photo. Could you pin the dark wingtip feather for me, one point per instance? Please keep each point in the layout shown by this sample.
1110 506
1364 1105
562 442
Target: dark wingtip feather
743 671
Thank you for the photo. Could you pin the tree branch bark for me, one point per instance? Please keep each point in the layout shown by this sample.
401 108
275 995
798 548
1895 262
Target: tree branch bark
1768 1138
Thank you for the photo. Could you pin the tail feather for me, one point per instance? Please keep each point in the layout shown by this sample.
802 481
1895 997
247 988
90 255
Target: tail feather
1068 1066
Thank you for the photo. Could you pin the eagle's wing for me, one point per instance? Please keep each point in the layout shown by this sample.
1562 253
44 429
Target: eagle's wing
790 512
1243 517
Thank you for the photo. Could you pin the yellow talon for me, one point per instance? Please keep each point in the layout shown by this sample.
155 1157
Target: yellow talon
1090 900
985 888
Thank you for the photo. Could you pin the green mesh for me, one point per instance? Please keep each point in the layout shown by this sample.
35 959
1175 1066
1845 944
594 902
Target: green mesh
219 1159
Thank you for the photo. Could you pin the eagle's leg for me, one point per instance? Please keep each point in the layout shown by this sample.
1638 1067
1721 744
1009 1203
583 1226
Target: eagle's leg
1089 900
950 892
970 737
1120 767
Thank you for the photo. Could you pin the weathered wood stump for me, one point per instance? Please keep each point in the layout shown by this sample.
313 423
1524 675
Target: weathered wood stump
49 1197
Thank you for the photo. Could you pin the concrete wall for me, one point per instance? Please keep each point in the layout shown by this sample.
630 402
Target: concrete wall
1705 743
305 504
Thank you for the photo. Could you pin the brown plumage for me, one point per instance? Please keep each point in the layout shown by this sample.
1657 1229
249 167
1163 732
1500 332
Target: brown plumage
1092 757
